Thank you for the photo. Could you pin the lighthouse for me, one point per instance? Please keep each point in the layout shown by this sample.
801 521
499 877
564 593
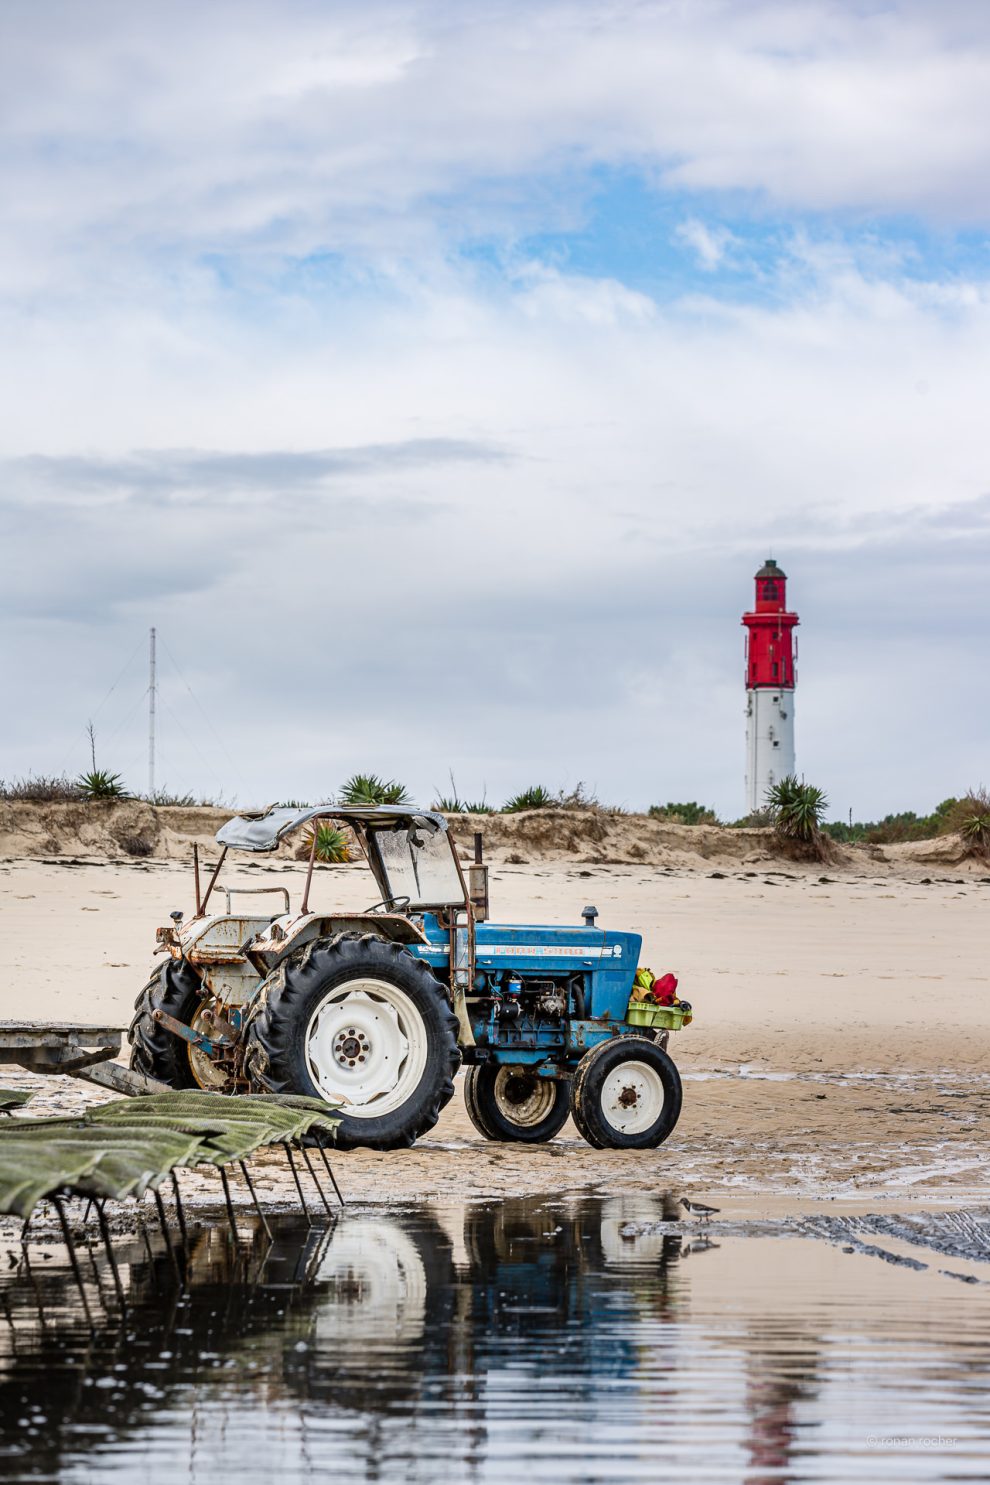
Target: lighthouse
771 649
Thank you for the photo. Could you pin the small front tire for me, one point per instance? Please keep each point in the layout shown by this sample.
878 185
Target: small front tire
514 1103
626 1095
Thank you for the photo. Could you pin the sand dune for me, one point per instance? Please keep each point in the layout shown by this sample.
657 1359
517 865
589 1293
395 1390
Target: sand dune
130 829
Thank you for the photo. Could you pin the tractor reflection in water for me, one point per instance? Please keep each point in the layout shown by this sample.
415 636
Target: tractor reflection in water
362 1330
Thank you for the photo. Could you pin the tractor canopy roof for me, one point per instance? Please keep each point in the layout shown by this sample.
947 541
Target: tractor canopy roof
262 831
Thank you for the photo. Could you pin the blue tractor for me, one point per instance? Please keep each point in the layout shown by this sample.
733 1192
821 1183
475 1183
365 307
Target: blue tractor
376 1010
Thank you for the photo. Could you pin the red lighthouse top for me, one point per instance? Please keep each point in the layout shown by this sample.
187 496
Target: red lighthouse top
770 642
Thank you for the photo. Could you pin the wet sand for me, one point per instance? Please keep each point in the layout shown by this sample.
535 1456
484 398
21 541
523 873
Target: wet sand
838 1051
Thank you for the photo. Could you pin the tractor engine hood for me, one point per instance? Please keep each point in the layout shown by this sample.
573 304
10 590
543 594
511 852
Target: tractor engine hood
508 946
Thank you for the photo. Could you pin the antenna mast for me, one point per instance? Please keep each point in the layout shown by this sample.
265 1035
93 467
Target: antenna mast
151 720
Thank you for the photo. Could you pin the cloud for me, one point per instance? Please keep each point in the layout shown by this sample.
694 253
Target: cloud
290 374
711 245
197 474
259 130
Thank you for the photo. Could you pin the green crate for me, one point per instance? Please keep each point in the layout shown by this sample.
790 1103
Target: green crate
659 1017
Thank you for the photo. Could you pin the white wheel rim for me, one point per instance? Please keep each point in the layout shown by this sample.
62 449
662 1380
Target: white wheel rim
375 1286
523 1097
632 1097
366 1044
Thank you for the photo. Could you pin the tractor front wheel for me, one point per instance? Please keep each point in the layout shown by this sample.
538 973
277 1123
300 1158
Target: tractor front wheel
626 1095
362 1021
514 1103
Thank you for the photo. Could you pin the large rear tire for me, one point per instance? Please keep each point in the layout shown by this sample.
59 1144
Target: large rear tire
514 1103
626 1095
174 987
362 1020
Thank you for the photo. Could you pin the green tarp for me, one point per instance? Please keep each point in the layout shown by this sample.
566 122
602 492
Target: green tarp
129 1145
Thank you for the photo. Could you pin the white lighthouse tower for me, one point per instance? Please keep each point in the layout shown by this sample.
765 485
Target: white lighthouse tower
771 649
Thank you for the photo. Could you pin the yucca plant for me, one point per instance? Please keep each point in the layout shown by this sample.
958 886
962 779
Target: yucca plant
534 798
368 788
453 804
332 844
98 784
796 813
971 817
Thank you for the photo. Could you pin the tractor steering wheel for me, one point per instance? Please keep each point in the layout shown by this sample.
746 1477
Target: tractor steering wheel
389 904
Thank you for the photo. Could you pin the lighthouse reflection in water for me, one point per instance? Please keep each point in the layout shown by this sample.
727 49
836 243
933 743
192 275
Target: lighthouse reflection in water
591 1339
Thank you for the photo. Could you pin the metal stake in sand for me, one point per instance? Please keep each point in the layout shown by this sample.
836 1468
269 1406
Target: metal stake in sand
34 1285
179 1212
105 1232
230 1205
295 1177
93 1265
148 1249
163 1222
254 1198
73 1259
333 1178
309 1167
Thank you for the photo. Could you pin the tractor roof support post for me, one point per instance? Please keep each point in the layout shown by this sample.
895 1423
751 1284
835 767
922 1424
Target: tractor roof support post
470 925
304 907
213 879
199 909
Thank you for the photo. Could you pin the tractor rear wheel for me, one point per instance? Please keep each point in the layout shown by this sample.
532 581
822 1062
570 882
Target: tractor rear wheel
514 1103
626 1095
174 987
363 1021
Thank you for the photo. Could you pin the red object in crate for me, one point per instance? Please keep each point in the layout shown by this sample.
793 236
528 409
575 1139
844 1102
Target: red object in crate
664 990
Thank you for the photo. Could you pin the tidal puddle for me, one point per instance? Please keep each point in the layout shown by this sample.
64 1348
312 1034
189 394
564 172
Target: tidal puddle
528 1340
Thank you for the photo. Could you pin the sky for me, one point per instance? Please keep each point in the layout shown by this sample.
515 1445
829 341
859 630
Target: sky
435 377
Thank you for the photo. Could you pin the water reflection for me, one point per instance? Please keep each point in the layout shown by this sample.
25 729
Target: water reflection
480 1342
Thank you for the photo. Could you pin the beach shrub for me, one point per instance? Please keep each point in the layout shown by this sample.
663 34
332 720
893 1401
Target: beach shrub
760 819
98 784
368 788
332 844
796 811
579 798
453 804
894 829
583 798
533 798
41 789
165 799
691 813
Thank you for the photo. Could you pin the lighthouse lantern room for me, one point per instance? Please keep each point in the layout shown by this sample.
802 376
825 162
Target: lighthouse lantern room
771 649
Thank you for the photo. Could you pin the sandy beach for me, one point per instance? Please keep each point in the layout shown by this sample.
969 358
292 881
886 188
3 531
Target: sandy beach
837 1051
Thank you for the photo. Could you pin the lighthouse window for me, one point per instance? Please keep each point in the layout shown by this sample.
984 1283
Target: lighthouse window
776 743
770 589
776 670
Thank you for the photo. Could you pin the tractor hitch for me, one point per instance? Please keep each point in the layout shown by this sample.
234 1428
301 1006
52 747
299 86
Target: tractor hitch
207 1044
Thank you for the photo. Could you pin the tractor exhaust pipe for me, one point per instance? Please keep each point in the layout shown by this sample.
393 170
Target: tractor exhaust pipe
478 881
